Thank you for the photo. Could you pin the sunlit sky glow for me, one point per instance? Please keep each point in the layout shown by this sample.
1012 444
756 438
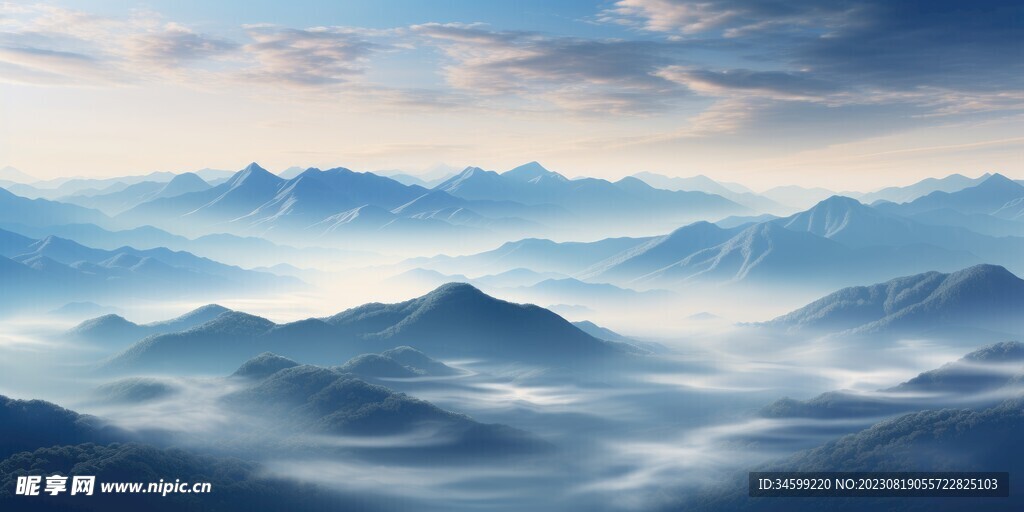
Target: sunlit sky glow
847 95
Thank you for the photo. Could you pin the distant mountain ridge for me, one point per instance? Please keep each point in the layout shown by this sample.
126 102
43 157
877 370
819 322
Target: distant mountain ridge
57 270
982 296
115 330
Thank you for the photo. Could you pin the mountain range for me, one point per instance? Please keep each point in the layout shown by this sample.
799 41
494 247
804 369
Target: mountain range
116 202
56 270
905 194
837 241
334 204
986 197
42 212
116 331
732 191
487 328
627 199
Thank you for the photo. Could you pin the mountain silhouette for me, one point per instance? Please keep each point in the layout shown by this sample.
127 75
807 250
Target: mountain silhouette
983 296
455 320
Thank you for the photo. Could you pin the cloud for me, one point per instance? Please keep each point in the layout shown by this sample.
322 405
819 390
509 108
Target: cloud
774 84
322 56
583 75
724 17
893 45
174 45
938 43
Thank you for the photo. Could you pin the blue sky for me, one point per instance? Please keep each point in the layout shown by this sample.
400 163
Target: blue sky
851 94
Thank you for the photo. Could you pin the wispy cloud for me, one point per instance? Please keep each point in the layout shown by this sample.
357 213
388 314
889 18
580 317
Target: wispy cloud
581 75
320 56
173 45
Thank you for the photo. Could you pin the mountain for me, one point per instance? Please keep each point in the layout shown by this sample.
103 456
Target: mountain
13 243
982 438
538 255
574 291
400 362
515 277
291 172
987 197
376 366
235 484
983 296
906 194
329 401
658 253
335 205
52 271
994 224
797 196
486 328
931 440
263 366
8 173
135 390
314 195
601 333
700 183
763 252
119 201
245 191
1012 210
62 187
41 212
847 220
115 330
532 184
157 263
857 225
31 424
419 361
736 221
244 251
770 253
976 379
242 193
984 369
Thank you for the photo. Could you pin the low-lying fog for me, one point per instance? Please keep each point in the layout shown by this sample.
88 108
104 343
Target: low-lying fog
618 438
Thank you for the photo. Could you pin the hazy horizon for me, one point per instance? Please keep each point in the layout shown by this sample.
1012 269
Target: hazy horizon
597 89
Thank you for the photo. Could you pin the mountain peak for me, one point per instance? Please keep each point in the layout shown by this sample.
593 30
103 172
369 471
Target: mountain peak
982 272
701 226
254 167
531 171
252 171
998 180
838 201
264 365
186 177
110 321
455 290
